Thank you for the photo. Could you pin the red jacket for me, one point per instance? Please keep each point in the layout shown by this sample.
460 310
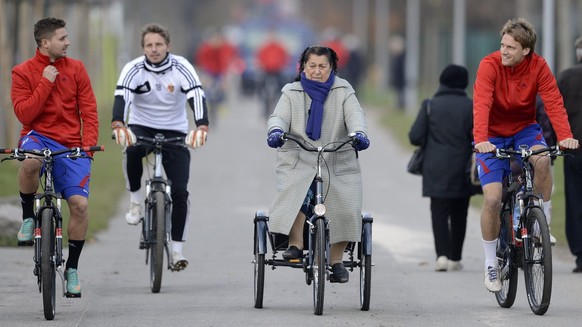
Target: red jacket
216 58
272 57
504 98
65 111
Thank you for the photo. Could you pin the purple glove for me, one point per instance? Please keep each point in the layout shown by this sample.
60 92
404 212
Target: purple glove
361 141
275 138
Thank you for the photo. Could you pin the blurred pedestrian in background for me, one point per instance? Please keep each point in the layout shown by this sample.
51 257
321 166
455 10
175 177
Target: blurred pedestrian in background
355 68
445 123
272 59
397 69
570 85
214 59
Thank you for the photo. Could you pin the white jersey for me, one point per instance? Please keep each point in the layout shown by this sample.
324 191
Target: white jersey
156 96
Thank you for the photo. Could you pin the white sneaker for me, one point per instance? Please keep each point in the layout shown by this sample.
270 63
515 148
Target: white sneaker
133 215
442 263
455 265
178 261
552 238
492 282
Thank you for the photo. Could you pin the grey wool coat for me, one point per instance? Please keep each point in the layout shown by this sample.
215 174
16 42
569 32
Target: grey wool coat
296 168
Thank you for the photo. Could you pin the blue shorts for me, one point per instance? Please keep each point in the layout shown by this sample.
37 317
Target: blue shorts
71 177
492 169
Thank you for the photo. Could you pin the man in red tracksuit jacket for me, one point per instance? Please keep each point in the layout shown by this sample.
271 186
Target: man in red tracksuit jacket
504 114
53 99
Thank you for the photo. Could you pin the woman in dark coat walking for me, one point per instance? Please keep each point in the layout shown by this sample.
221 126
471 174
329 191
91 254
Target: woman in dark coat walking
446 123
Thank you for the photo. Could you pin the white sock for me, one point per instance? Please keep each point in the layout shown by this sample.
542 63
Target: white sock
177 246
490 248
548 211
136 196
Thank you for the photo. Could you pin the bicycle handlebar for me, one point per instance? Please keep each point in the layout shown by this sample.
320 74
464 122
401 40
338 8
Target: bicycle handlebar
302 143
75 152
177 140
524 152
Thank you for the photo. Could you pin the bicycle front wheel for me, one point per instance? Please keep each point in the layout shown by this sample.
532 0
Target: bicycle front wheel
47 265
507 265
158 215
537 262
319 267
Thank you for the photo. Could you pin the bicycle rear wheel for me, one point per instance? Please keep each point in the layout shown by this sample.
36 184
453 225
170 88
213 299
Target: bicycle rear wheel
537 262
158 214
365 266
507 265
259 282
319 267
47 265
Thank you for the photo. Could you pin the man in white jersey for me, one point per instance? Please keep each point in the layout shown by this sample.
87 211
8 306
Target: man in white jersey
150 97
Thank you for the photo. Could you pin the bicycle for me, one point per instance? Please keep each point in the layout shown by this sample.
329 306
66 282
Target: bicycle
48 222
315 263
526 245
156 223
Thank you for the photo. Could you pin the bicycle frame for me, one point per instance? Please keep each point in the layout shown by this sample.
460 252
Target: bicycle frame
158 202
48 200
530 247
528 199
157 183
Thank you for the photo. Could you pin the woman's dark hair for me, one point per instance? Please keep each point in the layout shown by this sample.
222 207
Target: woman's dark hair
317 50
45 28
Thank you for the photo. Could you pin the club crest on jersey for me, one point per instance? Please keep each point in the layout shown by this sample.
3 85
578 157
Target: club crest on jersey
171 88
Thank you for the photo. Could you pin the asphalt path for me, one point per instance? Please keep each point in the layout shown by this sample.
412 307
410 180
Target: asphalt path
232 177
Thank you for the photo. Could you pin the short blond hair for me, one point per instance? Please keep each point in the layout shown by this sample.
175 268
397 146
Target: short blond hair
522 31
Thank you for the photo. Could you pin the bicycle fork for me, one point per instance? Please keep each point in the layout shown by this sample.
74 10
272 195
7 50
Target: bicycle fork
57 260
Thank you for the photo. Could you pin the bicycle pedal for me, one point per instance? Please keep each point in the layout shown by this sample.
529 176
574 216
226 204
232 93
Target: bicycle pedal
25 243
72 296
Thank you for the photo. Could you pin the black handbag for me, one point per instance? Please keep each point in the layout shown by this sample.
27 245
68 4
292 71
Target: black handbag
415 163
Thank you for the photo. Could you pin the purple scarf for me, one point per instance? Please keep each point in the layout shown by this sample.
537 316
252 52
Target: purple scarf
318 92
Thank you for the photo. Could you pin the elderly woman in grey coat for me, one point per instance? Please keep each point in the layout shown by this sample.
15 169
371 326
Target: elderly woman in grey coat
320 108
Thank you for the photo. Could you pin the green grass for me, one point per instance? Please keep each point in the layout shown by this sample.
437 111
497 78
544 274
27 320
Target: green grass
399 122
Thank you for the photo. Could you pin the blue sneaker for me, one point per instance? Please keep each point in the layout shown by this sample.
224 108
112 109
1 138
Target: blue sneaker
73 284
26 233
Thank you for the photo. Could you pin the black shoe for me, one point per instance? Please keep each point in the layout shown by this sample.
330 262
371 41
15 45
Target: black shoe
292 253
339 273
577 270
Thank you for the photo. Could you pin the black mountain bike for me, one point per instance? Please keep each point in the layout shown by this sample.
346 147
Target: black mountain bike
157 222
48 222
526 244
315 263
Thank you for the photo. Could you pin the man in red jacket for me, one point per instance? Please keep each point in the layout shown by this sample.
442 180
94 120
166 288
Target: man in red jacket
504 114
53 99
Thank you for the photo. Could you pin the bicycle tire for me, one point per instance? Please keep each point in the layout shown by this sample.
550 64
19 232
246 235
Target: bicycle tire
319 267
158 215
537 262
259 273
507 265
365 282
47 265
